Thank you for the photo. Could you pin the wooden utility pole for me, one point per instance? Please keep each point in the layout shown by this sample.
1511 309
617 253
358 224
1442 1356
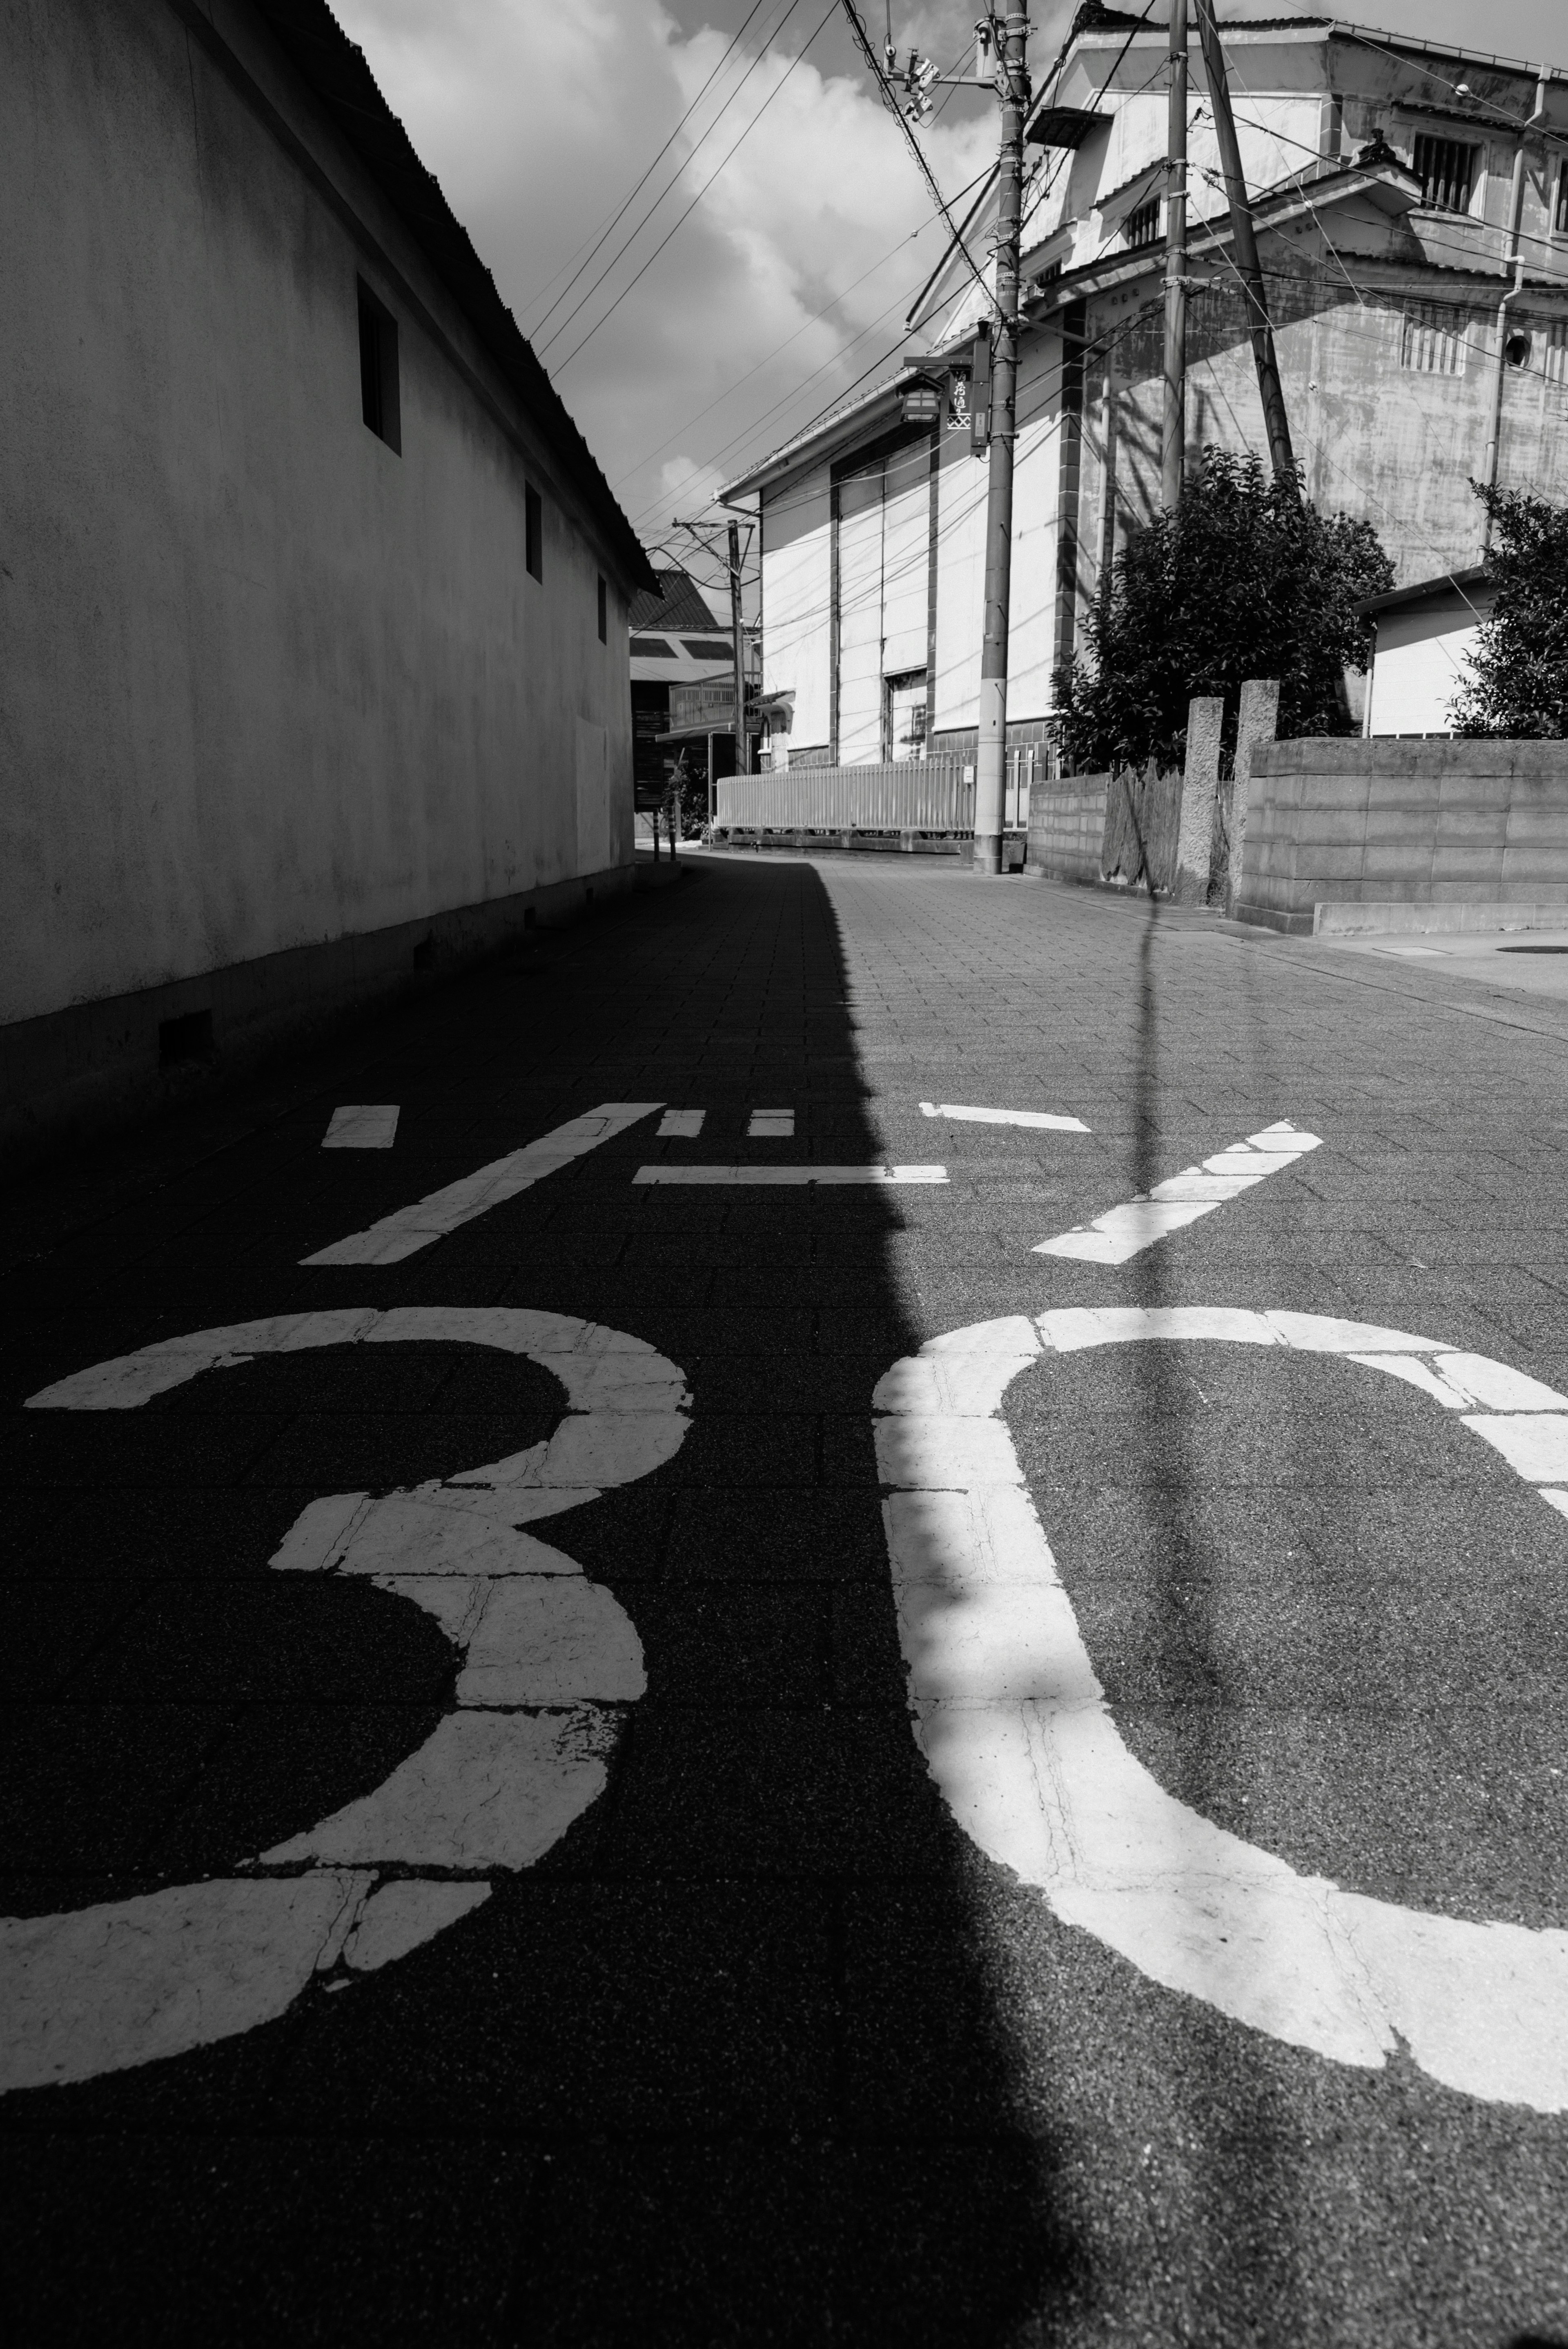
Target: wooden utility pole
737 636
991 763
1244 247
1173 443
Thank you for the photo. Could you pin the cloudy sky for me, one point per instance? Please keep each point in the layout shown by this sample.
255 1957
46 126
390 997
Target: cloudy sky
791 276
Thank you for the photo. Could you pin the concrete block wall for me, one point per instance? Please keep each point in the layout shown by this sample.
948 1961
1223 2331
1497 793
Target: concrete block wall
1066 828
1346 834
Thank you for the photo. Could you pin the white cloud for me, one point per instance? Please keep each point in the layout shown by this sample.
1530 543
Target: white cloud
537 120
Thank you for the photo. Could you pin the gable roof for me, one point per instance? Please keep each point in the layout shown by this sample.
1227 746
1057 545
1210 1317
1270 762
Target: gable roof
337 75
674 602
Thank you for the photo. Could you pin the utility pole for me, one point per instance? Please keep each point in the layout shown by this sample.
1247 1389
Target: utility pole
991 763
1245 243
742 740
1173 445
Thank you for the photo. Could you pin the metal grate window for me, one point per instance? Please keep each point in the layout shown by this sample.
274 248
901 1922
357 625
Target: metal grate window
1446 169
1142 225
1434 339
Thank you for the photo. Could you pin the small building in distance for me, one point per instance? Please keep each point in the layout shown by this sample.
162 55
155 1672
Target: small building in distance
676 642
312 624
1425 633
683 686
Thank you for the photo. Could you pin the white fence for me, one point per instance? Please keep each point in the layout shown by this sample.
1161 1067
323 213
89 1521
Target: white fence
907 795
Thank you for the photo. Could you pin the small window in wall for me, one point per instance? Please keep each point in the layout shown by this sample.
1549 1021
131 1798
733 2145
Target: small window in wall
533 531
603 611
1560 217
1434 339
1141 225
379 402
1446 169
906 713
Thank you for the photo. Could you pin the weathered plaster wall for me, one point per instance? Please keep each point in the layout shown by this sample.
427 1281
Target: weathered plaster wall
264 683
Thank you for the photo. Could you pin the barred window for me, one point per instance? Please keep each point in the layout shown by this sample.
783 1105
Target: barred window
1559 219
1434 339
1556 354
1141 226
1446 169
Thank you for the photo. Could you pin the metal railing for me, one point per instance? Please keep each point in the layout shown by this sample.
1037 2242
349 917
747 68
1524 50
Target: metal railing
934 795
906 795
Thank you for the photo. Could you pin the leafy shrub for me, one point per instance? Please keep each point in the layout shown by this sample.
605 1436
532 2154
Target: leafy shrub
1245 579
1518 682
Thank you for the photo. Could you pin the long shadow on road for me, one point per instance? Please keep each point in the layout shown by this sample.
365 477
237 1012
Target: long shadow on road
725 2064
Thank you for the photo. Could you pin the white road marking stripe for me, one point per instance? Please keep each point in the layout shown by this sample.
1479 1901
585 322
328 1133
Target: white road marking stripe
361 1125
1042 1118
681 1124
409 1229
1017 1735
1122 1232
799 1175
772 1125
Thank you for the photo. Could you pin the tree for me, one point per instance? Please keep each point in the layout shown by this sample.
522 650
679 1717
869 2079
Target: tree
1518 682
1245 579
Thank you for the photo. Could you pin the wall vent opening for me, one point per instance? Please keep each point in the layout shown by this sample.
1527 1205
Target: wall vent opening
379 395
189 1038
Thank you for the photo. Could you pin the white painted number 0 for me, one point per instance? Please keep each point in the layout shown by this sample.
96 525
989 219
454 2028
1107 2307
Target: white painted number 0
1017 1735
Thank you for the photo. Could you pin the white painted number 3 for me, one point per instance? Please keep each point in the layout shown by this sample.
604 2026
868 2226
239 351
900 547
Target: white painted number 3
1017 1735
548 1658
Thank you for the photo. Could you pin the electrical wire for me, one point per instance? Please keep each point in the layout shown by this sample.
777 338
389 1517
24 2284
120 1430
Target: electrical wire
815 319
627 242
618 215
862 42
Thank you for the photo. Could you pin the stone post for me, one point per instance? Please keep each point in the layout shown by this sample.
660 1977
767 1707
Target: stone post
1199 780
1255 724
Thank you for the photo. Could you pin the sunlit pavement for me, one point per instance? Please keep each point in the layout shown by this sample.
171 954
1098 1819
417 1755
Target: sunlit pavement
520 1909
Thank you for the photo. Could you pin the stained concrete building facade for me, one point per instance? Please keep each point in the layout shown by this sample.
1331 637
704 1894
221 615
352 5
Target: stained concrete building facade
1382 168
314 602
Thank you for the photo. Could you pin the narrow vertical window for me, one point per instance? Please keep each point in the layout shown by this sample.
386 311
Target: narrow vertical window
379 402
1560 222
1446 169
604 612
533 531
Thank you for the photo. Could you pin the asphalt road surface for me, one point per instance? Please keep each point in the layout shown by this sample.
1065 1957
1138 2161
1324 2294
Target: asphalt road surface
565 1781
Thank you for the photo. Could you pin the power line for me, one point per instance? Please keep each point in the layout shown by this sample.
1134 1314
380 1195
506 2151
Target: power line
627 242
644 266
862 42
658 158
843 295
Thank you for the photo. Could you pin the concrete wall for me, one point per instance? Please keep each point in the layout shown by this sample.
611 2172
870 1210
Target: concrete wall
1346 834
265 684
1066 828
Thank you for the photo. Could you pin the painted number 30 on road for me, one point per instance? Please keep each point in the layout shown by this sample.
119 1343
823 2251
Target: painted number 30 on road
1006 1706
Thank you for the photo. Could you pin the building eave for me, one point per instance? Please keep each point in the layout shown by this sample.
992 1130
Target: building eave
1447 583
867 409
338 76
1389 186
